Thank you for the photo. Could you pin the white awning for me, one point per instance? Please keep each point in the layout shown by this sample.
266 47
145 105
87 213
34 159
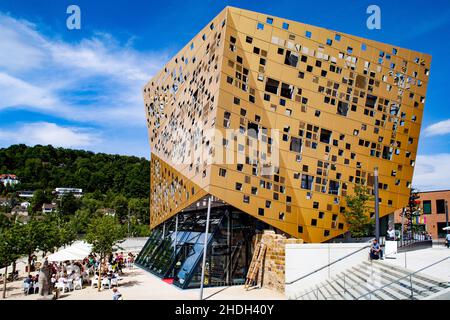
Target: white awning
77 251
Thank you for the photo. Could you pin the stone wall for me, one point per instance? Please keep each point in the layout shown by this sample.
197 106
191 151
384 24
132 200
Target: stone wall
274 263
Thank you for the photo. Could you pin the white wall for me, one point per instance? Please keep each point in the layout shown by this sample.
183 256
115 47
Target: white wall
302 259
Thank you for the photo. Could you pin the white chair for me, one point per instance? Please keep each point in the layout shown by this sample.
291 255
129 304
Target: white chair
106 282
78 283
94 282
62 285
115 281
36 287
70 284
26 287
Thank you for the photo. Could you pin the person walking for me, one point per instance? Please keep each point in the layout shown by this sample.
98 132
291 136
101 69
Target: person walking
447 240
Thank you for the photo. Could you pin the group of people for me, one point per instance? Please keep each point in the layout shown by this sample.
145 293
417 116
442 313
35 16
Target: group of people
31 284
53 276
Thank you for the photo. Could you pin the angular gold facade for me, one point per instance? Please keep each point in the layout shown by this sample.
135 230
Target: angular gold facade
327 108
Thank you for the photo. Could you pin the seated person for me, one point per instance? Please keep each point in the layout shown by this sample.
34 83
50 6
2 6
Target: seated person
28 284
375 251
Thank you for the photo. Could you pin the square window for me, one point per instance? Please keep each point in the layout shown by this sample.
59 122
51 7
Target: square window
222 172
246 199
269 20
285 26
316 205
260 211
300 229
308 34
363 47
314 222
337 37
440 206
427 207
329 42
249 39
280 51
260 26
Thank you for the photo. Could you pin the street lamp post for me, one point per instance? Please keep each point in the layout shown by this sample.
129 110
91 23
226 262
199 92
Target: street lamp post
377 205
128 221
205 244
446 216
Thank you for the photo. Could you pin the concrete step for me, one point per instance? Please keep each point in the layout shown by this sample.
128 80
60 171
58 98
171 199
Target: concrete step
397 291
380 294
420 282
424 278
419 286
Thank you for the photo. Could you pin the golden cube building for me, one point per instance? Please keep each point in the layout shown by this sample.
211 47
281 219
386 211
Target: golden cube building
281 119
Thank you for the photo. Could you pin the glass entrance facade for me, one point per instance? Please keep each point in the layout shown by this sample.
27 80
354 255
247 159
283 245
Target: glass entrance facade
174 249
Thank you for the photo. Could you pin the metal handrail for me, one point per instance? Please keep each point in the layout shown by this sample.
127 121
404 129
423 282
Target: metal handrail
330 264
404 277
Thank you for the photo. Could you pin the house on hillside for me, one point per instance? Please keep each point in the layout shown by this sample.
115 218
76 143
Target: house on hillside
78 193
19 211
25 204
18 218
48 208
26 194
4 202
9 179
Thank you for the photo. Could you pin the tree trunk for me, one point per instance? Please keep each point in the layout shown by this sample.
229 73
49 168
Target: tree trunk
5 278
14 267
29 264
100 274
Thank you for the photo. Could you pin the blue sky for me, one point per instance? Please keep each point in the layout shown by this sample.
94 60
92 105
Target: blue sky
82 88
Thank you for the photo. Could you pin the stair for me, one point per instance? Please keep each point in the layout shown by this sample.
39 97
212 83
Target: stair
359 283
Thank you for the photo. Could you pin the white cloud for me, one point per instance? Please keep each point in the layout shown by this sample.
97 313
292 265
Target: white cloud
45 133
438 129
432 172
51 76
17 92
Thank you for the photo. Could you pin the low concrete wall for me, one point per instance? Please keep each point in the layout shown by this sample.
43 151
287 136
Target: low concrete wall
301 259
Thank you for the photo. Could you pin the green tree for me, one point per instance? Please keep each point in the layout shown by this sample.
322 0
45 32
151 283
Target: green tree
120 204
103 233
8 252
356 215
69 204
39 198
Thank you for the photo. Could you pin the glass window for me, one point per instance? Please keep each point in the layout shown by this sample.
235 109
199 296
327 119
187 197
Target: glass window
269 20
363 47
427 207
272 85
440 206
296 145
337 37
291 58
260 26
308 34
285 26
329 42
307 182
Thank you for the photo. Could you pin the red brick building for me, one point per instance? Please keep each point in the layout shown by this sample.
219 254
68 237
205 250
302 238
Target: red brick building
432 204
